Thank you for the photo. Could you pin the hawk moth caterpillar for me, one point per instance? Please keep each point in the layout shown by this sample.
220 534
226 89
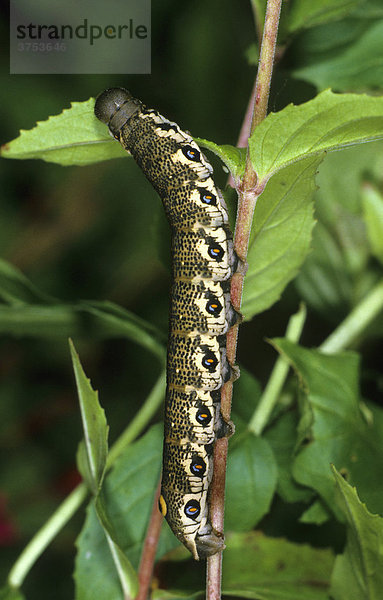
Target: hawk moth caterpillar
203 262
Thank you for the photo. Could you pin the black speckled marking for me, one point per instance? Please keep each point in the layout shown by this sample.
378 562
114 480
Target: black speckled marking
200 314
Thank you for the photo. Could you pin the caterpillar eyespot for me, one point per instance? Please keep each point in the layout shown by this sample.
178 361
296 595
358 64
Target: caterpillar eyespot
207 198
209 361
214 307
203 417
198 466
216 252
200 313
192 509
191 153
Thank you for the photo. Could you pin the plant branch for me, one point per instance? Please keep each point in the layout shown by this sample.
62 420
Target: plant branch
72 503
266 61
259 16
45 535
246 124
246 205
278 376
245 128
356 322
148 555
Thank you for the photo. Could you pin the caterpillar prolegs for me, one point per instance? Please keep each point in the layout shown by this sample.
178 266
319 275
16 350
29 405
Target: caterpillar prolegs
200 314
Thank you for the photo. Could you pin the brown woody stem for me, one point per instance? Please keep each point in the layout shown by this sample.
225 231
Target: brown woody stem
247 197
148 554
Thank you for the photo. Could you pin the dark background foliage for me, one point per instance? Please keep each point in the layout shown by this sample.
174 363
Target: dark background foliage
98 232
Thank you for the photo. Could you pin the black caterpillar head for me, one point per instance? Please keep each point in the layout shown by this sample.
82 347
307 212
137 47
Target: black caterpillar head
115 107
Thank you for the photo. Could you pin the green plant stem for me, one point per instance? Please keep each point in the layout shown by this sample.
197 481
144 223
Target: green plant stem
266 61
356 322
248 195
46 534
278 376
72 503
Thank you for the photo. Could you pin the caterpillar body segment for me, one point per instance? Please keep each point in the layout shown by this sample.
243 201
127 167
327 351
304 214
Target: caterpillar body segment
201 313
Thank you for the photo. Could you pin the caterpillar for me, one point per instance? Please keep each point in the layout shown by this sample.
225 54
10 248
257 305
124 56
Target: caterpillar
203 262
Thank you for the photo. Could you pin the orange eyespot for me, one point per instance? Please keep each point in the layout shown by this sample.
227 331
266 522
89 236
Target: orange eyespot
213 307
203 417
209 361
192 509
207 197
216 252
191 153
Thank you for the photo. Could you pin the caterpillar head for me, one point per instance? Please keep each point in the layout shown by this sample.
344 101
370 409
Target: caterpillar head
115 107
187 517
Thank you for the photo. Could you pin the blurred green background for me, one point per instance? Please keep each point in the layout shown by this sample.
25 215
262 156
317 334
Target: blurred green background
98 232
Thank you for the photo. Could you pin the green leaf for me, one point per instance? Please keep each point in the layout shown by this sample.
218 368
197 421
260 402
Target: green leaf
282 438
252 54
29 312
280 236
337 275
340 179
324 282
94 425
93 319
337 432
345 55
75 137
176 595
82 463
308 13
255 566
358 572
247 394
369 9
234 158
285 150
329 122
262 568
128 493
372 201
16 289
120 322
316 514
11 593
95 574
126 573
251 481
